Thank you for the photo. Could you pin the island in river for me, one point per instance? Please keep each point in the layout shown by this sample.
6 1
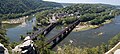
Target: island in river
90 15
84 26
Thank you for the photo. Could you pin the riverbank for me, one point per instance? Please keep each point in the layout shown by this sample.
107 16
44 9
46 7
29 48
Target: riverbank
15 21
113 44
84 26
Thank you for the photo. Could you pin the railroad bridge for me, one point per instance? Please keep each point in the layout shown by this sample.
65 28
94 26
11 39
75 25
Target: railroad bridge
54 40
63 34
57 38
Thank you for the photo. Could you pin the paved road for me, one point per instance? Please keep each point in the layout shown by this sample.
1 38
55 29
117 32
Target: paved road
111 51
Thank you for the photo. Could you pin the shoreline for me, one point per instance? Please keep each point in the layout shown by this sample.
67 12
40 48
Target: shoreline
87 27
15 21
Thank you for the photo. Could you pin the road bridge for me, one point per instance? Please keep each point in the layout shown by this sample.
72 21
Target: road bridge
43 32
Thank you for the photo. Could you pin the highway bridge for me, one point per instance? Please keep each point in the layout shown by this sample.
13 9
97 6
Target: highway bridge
43 32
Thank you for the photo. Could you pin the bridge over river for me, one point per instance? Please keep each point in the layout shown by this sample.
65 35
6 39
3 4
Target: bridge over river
91 38
53 41
57 38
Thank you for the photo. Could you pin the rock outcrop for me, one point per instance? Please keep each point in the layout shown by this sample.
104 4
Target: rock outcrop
27 47
3 50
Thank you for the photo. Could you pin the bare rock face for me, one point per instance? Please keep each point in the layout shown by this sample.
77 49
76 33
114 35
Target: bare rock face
26 47
3 50
27 38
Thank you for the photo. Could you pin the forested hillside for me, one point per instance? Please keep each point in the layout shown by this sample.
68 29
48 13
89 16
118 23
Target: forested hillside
93 14
3 38
15 7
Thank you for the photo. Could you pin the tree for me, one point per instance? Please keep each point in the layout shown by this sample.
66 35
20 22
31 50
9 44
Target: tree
41 45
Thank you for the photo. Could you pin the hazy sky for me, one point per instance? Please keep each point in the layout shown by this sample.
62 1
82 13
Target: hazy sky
114 2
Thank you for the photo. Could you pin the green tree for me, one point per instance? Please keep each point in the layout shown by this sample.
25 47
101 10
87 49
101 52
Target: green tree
41 45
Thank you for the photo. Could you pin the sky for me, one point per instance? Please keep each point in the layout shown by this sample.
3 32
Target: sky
113 2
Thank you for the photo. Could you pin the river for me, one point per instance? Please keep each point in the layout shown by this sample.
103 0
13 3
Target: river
15 30
89 38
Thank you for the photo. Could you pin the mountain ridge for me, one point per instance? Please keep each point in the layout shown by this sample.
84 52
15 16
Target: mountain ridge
15 8
20 6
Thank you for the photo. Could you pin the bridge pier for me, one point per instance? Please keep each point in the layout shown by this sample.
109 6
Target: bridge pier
44 32
69 29
54 41
60 37
66 31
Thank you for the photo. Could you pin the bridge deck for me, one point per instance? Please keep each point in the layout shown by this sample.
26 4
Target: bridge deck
60 36
44 31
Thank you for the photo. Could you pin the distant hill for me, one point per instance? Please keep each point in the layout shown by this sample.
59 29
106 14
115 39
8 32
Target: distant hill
22 6
67 4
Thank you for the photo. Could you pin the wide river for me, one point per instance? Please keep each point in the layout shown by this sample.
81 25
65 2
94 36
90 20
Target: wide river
87 38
